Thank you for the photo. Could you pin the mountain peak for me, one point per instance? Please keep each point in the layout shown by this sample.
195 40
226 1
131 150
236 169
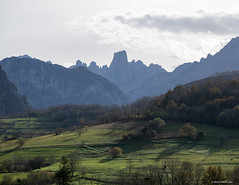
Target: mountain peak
25 56
230 49
120 59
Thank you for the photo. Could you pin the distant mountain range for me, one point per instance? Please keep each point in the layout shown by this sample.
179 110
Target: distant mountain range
10 101
138 80
227 59
45 84
126 75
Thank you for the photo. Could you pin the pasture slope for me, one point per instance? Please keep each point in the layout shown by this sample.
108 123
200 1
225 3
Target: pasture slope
93 145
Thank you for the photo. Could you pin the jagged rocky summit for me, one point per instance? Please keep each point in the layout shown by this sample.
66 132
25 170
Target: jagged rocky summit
126 75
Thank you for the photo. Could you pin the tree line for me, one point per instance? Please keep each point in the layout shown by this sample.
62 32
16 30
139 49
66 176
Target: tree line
211 102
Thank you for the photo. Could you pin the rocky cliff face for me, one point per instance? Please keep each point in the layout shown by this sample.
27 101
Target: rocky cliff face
227 59
126 75
10 100
45 84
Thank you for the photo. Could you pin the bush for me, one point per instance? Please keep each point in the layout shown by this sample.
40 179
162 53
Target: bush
115 152
36 163
156 124
188 130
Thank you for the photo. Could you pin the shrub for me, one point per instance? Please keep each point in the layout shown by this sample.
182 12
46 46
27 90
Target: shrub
156 124
115 152
36 163
188 130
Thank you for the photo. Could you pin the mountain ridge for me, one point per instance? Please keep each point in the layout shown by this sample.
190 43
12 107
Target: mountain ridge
126 75
46 84
227 59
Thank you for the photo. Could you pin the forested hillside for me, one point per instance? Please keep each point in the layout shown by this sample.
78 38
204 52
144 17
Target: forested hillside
213 100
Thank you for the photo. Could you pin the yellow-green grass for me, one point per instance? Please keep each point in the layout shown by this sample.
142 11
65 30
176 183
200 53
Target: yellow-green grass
28 126
93 146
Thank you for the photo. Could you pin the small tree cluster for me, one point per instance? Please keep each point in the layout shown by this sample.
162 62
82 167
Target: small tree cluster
172 172
8 165
213 174
149 131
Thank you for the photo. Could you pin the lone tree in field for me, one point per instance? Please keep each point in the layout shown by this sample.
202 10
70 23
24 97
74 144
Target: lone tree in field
73 162
115 152
63 175
188 130
20 142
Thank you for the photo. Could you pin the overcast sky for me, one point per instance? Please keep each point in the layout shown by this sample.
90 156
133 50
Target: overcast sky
168 33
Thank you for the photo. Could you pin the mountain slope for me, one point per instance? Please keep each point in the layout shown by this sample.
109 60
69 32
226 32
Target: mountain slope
126 75
212 100
10 100
227 59
45 84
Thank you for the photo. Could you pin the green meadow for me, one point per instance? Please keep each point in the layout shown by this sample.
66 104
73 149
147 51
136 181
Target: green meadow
93 145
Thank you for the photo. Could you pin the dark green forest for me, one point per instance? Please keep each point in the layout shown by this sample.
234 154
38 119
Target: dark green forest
212 102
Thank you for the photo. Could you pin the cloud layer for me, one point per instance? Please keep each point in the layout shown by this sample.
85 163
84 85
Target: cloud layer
174 38
217 23
165 32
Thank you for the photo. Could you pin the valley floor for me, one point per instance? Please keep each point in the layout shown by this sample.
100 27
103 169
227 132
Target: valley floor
93 145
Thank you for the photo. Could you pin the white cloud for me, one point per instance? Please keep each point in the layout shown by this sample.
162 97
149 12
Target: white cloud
64 31
174 38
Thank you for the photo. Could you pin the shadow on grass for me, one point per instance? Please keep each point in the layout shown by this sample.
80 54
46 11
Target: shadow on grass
8 151
108 159
132 147
183 145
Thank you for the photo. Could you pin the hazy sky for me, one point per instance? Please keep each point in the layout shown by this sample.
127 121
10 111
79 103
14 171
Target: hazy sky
164 32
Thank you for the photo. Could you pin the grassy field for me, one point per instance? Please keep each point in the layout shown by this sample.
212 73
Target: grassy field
28 126
93 146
